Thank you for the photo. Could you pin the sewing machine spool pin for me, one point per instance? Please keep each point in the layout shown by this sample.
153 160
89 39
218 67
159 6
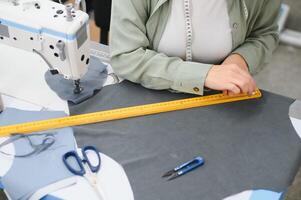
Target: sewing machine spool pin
69 8
78 89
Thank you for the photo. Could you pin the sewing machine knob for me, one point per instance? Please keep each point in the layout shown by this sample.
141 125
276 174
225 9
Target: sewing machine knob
59 12
61 46
37 6
15 2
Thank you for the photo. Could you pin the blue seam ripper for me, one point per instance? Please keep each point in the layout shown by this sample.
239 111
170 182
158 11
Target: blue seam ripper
184 168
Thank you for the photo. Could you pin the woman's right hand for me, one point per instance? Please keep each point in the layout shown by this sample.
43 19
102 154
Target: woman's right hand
231 78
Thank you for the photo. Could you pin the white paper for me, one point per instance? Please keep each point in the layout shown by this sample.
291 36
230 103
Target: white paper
6 161
246 195
22 77
111 179
297 125
12 102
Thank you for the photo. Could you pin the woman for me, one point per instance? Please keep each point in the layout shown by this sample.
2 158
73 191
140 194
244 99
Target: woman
189 45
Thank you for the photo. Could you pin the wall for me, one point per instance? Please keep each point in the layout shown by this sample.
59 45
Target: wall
294 20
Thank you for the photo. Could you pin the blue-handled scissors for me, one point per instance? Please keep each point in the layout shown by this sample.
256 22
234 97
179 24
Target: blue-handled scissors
80 169
81 162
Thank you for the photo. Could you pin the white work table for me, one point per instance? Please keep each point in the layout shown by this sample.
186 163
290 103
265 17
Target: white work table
23 87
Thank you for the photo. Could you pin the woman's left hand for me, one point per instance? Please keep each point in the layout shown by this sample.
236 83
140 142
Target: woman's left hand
239 61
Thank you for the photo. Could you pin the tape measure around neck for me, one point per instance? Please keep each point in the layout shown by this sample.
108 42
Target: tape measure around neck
122 113
188 26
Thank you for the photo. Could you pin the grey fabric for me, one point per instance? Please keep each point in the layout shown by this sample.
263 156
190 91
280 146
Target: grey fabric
91 82
29 174
247 144
295 110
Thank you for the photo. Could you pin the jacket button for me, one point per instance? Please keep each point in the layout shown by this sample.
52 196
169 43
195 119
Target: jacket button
196 89
235 25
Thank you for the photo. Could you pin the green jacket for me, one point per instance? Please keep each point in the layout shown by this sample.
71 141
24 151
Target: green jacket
137 27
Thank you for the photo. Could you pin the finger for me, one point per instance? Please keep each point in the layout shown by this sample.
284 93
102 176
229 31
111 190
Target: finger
231 94
254 85
247 75
232 88
250 79
246 86
241 82
240 78
252 89
249 85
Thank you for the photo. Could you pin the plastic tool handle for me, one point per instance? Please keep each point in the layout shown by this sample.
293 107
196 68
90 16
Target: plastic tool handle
93 168
197 159
197 162
73 154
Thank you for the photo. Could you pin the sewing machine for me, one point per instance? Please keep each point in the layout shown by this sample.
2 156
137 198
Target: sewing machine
57 33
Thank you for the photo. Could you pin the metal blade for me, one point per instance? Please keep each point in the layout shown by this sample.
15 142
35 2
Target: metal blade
169 173
174 176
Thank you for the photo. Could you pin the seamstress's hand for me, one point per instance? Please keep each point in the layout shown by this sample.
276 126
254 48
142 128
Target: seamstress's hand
238 60
231 78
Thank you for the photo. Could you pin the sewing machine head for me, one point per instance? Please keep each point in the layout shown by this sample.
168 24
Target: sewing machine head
59 34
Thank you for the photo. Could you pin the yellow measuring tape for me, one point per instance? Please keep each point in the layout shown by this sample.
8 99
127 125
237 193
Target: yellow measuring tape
122 113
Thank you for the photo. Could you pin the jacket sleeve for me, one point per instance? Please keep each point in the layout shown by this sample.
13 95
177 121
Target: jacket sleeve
263 38
133 60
